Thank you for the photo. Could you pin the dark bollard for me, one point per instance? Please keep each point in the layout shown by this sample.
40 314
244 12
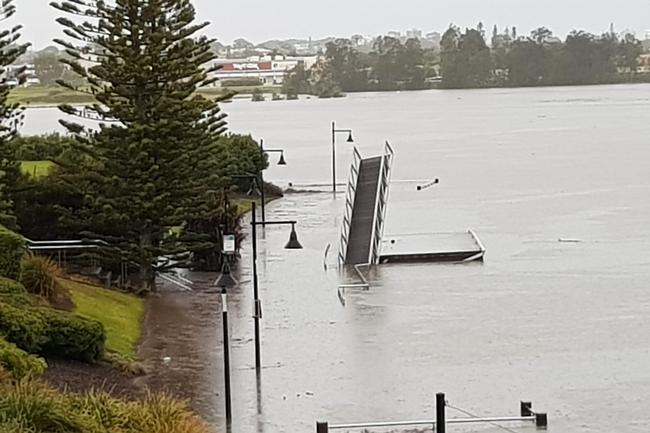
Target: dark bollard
226 355
541 420
526 408
322 427
441 424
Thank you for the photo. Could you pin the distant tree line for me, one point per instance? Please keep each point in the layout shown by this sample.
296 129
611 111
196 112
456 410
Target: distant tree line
539 59
466 60
390 65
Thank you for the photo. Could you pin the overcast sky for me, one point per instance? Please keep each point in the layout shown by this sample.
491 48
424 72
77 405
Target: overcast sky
260 20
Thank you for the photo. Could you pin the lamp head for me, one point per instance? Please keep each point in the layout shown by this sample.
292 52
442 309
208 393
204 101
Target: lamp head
225 280
350 139
293 243
282 161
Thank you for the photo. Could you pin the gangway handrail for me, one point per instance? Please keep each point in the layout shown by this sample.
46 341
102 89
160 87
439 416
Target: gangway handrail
350 197
381 202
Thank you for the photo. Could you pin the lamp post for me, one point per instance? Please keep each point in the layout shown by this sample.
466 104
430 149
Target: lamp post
349 140
293 244
282 161
225 281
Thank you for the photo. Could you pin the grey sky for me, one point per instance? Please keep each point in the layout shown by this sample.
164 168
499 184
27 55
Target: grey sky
259 20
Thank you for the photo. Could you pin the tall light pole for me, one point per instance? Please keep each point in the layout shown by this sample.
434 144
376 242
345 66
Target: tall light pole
282 161
293 244
225 281
349 140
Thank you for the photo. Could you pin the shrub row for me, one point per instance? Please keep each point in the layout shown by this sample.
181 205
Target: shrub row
14 293
49 332
18 363
31 406
12 248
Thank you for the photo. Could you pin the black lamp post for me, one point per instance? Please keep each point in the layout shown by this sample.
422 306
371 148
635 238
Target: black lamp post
282 161
293 244
226 281
349 140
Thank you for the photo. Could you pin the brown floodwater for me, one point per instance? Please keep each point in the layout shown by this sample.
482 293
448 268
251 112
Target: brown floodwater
563 324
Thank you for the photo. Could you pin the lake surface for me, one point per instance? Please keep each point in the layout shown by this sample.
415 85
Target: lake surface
565 325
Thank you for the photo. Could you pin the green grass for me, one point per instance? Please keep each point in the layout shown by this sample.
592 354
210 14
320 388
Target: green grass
55 95
36 168
121 315
47 95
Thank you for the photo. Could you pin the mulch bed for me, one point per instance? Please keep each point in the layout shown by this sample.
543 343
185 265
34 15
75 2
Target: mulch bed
77 376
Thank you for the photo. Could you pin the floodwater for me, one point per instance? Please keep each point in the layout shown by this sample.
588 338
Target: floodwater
565 325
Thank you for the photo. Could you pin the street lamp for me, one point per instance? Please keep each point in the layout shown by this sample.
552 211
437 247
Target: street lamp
293 244
282 161
349 140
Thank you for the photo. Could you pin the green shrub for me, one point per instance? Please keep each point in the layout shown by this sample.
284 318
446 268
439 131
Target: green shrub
161 414
24 327
73 337
15 426
11 287
242 82
51 332
12 248
41 277
19 363
35 406
14 293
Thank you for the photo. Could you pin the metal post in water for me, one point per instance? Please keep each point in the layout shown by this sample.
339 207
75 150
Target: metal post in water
256 301
322 427
226 354
334 158
441 424
262 181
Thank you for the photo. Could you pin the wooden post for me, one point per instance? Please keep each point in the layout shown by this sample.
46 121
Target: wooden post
322 427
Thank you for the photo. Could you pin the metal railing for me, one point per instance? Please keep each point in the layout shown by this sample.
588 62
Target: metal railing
62 247
440 423
349 206
381 204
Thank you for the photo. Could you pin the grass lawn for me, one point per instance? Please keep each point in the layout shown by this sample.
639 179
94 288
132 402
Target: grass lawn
54 95
120 313
47 95
36 168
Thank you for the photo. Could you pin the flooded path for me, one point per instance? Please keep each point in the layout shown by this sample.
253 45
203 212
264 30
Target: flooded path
562 324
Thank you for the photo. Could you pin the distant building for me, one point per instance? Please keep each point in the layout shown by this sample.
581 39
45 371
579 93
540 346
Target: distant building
644 64
269 70
394 34
28 71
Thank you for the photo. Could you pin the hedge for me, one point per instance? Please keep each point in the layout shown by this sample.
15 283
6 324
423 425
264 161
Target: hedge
19 363
50 332
12 248
25 327
11 287
74 337
14 293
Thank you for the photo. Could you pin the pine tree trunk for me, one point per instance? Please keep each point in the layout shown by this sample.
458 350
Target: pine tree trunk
147 274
